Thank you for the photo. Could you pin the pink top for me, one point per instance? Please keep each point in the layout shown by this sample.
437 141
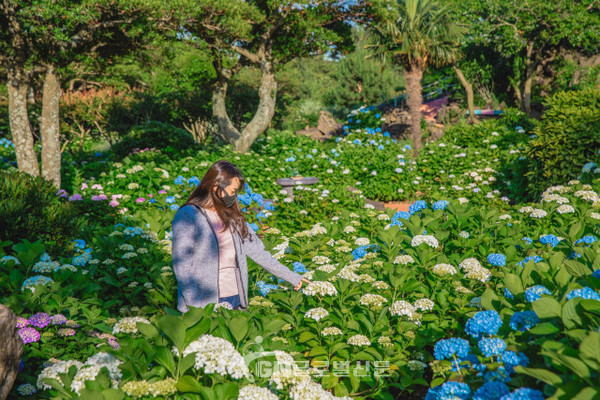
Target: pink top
227 278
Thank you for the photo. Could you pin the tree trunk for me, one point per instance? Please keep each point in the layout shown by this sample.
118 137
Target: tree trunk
414 74
529 67
49 126
11 349
264 113
20 128
469 89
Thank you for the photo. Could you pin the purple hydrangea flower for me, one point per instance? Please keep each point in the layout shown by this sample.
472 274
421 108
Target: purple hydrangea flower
58 319
40 320
29 334
22 322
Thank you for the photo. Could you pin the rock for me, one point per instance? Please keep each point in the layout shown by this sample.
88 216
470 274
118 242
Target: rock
397 123
11 349
327 126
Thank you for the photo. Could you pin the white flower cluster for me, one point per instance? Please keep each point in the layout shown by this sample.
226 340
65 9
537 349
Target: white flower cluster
362 241
321 260
317 229
331 330
85 371
349 229
320 288
538 213
430 240
588 195
128 325
474 270
215 354
443 269
381 285
424 304
316 313
554 198
404 308
565 209
253 392
372 300
404 259
359 340
327 268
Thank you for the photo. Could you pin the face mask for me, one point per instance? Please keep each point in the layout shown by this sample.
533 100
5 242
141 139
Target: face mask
228 200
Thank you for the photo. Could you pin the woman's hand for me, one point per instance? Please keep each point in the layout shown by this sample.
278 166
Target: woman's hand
300 284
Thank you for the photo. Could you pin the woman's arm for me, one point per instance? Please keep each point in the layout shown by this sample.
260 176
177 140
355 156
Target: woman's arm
256 251
183 230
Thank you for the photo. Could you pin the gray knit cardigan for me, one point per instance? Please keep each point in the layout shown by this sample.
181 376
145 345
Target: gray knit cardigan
195 251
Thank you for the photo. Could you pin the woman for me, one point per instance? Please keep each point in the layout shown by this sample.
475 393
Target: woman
211 240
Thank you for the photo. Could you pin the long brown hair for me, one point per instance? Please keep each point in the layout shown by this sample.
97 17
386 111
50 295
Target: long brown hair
221 173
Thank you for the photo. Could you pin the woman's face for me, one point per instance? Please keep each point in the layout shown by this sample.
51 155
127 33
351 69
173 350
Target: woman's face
233 187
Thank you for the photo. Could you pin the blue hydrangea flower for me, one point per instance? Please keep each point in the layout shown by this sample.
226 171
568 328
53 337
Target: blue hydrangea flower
549 239
79 243
247 188
170 199
536 259
261 216
245 199
535 293
174 207
498 260
499 375
290 159
446 348
417 206
380 147
528 240
484 322
401 215
432 393
596 274
585 293
508 294
265 288
453 391
524 394
257 198
512 359
574 254
299 267
440 205
194 181
179 181
491 391
523 320
587 168
588 239
268 205
357 141
492 346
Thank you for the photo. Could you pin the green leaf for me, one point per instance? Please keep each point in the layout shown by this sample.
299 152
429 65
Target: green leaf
148 330
188 384
164 356
542 374
186 363
513 284
546 307
577 269
590 349
545 328
570 317
306 336
174 328
113 394
588 393
239 328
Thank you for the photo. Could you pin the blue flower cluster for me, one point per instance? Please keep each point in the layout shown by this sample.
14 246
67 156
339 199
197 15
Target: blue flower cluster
484 322
536 259
492 346
549 239
588 239
535 293
6 143
498 260
446 348
265 288
449 391
524 394
512 359
508 294
523 320
361 251
528 240
398 216
587 168
417 206
299 267
596 274
491 390
79 243
440 205
585 293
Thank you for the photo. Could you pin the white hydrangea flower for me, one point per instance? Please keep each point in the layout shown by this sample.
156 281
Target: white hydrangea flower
321 260
52 369
402 307
381 285
430 240
404 259
443 269
359 340
320 288
331 330
415 365
349 229
253 392
565 209
526 210
538 213
469 263
479 273
217 355
504 217
362 241
317 313
424 304
372 300
128 325
92 367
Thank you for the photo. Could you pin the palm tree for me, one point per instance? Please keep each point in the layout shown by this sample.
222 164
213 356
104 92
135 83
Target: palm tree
416 34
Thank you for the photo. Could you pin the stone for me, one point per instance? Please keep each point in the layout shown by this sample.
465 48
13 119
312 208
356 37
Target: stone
326 127
11 350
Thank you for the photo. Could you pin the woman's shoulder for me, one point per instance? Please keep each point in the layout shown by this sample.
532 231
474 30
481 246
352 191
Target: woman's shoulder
186 211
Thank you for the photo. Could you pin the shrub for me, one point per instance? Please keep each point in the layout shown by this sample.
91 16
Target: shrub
568 137
154 134
30 209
